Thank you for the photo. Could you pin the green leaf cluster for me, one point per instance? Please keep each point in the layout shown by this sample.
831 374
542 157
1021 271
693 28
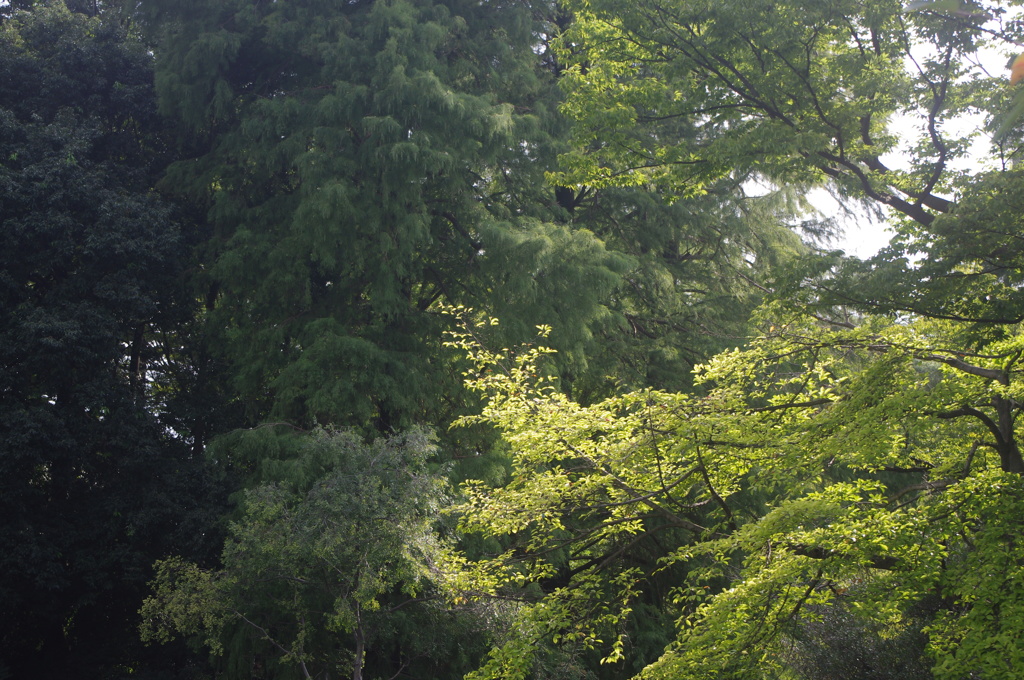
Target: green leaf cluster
866 469
331 575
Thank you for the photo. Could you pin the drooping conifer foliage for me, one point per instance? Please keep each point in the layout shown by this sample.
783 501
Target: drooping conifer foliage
360 162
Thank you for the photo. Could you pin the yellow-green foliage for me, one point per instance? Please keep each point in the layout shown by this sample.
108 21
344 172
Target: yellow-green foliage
825 465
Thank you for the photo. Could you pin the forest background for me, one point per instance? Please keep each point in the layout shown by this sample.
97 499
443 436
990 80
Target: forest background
442 339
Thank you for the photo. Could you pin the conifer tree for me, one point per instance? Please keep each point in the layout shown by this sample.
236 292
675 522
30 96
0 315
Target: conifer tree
359 163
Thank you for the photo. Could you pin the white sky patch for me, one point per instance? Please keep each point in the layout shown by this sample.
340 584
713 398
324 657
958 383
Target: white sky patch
862 234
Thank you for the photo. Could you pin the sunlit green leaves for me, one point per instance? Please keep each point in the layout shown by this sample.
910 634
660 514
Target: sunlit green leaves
825 466
683 95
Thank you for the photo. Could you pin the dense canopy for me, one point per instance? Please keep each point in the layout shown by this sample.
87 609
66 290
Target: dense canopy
273 400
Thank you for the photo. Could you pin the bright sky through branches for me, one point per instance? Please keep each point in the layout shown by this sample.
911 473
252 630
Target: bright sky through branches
863 234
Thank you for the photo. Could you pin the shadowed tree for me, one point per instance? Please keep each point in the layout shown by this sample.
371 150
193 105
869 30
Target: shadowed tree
93 487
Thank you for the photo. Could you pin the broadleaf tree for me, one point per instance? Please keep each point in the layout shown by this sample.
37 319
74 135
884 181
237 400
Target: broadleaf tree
94 484
329 577
829 469
800 90
842 465
876 102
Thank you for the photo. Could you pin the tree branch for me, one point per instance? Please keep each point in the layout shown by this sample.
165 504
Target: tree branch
990 373
818 553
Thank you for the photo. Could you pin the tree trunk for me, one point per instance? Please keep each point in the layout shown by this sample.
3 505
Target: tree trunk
357 663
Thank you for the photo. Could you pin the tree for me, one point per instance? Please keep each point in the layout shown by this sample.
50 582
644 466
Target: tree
329 575
698 270
829 469
359 163
804 91
843 466
93 486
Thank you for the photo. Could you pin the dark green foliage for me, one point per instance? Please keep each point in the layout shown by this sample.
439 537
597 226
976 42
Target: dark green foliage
691 285
358 164
328 572
93 487
835 643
